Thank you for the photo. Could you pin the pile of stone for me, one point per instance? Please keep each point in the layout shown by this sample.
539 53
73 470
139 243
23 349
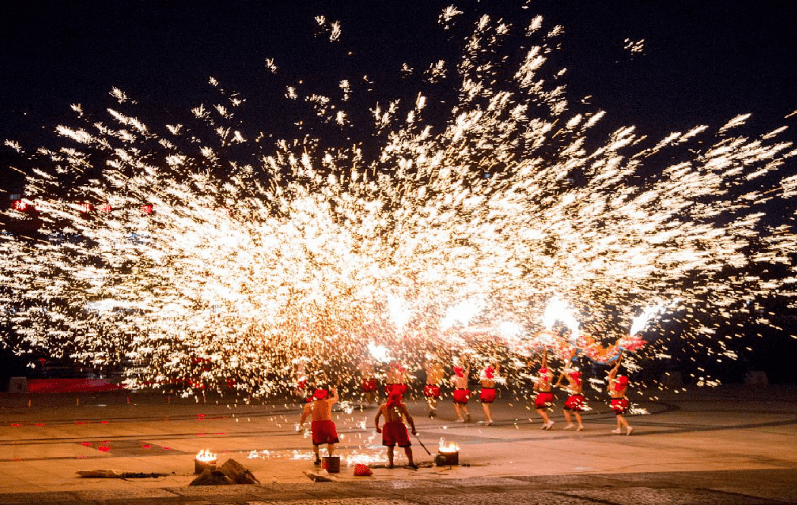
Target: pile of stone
231 472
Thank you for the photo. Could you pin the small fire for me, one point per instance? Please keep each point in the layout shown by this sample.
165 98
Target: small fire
206 456
448 447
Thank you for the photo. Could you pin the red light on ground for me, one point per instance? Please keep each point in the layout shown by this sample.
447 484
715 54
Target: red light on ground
146 209
106 208
146 446
16 424
103 422
39 424
20 205
104 448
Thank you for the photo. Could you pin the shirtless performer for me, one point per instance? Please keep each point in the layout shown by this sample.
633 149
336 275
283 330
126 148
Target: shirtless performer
368 384
300 374
542 385
487 395
575 398
322 427
461 393
396 378
434 376
618 386
395 431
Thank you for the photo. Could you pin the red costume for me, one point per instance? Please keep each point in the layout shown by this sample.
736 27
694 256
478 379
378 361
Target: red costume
395 433
575 403
401 388
431 391
619 405
324 432
621 383
544 400
369 385
461 396
487 395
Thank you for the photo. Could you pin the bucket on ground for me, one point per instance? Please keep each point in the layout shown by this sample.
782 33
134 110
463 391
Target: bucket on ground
331 464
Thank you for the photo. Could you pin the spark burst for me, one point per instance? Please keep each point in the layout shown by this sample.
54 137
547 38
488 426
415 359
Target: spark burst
165 250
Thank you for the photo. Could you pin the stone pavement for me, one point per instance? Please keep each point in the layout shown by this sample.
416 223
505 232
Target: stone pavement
733 444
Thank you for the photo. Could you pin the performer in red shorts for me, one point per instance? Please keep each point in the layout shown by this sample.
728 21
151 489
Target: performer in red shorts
575 399
322 427
461 393
369 392
487 394
394 431
396 378
434 376
542 385
618 387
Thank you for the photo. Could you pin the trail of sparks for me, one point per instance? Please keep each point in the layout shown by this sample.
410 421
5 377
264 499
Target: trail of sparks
160 252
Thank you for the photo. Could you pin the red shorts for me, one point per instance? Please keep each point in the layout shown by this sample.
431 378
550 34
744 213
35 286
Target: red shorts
575 403
487 395
369 385
395 433
544 400
401 388
324 432
619 405
461 396
431 391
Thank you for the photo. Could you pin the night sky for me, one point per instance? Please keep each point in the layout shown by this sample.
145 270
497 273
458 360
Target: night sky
703 62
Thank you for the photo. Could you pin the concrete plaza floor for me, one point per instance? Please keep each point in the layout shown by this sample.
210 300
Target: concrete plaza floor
732 444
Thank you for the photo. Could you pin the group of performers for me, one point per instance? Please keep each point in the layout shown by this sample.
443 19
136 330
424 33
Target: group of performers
574 404
397 418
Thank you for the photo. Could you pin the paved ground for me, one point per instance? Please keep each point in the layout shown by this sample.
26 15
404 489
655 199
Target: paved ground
734 444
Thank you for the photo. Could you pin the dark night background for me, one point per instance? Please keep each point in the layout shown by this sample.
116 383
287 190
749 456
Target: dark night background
703 62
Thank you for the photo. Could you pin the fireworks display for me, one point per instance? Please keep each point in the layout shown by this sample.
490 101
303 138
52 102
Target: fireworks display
206 253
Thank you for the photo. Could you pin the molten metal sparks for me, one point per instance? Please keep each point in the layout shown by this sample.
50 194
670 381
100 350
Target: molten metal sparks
166 251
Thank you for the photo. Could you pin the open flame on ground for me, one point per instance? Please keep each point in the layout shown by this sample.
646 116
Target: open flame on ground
448 447
206 456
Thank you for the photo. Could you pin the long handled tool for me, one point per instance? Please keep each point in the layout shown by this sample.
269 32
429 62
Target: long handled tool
424 447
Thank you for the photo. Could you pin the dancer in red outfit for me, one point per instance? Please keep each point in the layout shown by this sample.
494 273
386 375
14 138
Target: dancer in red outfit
461 393
368 378
394 431
487 394
322 427
618 387
544 399
396 378
434 376
575 399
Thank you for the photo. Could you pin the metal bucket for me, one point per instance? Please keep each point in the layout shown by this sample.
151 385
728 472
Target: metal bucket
201 466
331 464
447 459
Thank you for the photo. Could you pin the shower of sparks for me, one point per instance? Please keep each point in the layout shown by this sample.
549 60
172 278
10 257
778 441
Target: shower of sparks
162 254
